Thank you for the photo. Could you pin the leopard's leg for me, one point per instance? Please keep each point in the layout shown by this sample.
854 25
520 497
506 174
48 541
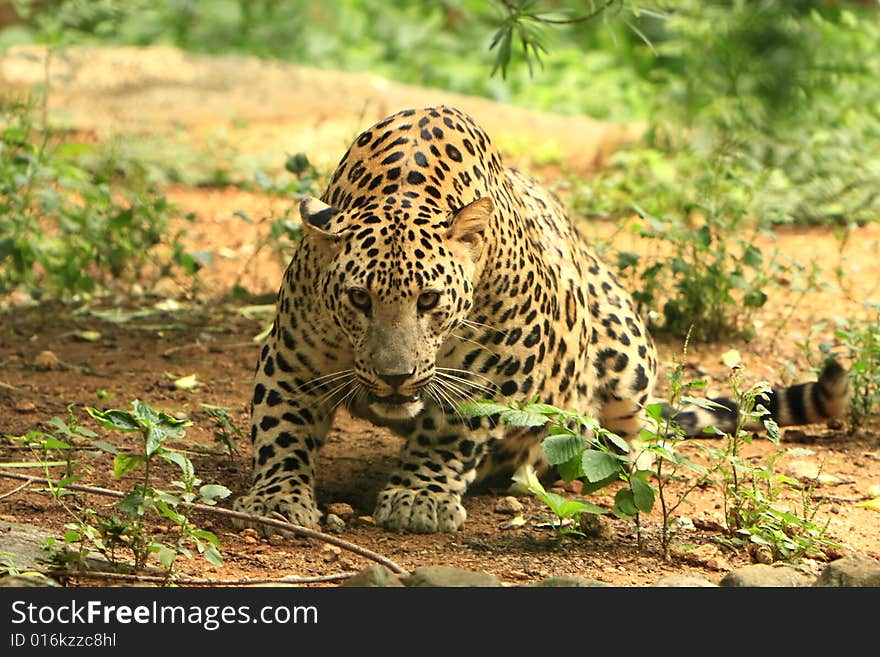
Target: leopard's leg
289 419
437 464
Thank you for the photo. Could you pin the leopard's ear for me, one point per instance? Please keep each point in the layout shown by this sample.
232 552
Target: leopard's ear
469 224
317 218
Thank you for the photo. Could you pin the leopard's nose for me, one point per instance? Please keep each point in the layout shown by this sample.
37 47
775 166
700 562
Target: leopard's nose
395 380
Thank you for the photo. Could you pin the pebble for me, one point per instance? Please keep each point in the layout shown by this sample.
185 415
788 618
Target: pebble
47 360
509 505
334 524
595 526
341 509
719 563
330 552
276 539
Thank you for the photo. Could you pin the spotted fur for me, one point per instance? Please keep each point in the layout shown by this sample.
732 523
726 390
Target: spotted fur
428 274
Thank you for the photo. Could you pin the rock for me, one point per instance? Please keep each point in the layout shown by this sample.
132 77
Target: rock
374 575
763 575
330 552
719 563
277 539
342 509
684 581
448 576
596 526
509 505
47 360
25 580
566 581
854 570
334 524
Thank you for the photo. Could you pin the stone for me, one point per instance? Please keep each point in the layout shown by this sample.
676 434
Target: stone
47 360
596 526
509 505
330 552
334 524
25 580
342 509
854 570
374 575
449 576
764 575
684 581
567 581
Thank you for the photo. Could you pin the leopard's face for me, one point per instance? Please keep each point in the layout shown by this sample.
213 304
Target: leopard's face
397 295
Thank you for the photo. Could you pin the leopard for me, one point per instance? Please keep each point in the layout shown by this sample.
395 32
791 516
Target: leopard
428 274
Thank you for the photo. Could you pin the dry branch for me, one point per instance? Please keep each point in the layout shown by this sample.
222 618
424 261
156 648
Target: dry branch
197 581
238 515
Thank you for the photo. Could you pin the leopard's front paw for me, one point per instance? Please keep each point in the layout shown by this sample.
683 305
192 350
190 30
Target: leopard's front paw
298 507
419 511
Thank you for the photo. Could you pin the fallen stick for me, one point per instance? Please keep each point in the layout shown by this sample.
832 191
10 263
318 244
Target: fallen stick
238 515
197 581
15 490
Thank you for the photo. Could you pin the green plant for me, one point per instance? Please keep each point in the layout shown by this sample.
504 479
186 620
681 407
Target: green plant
579 448
753 493
862 338
154 428
665 440
225 430
702 267
123 532
66 231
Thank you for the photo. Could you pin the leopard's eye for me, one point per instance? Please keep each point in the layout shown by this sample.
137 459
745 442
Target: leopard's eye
360 299
427 301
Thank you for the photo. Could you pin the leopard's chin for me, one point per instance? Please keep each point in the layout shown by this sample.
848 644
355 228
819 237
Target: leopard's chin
397 407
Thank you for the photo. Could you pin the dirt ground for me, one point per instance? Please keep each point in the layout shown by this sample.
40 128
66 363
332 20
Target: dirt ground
212 337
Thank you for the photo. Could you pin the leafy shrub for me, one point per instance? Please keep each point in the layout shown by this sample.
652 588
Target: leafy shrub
66 230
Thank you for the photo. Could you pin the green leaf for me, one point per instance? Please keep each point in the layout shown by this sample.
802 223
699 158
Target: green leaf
593 486
205 535
51 442
599 465
617 441
104 446
523 418
624 504
643 494
482 408
114 419
210 493
181 461
571 470
167 511
167 556
133 504
213 556
124 463
562 448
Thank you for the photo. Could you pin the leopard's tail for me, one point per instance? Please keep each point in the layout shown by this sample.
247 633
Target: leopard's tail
826 398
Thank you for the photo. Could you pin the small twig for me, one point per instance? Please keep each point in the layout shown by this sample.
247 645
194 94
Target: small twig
841 500
205 346
15 490
238 515
7 386
197 581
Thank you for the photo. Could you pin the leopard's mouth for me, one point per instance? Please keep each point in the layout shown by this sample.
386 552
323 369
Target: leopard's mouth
396 398
397 406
